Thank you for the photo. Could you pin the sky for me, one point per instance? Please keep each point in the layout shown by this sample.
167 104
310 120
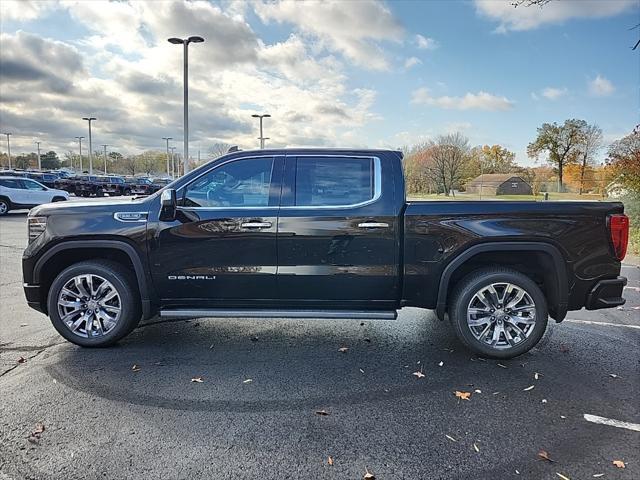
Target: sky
338 74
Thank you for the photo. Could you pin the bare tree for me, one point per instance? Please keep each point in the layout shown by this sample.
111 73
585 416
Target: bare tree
449 154
218 149
591 143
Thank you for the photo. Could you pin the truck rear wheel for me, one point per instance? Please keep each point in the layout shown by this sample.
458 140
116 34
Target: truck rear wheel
498 312
5 206
94 303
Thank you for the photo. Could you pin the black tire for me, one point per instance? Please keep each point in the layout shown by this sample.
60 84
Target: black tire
127 192
124 282
99 192
5 206
464 292
58 199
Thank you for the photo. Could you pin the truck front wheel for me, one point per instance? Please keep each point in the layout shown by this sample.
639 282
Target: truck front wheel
498 312
94 303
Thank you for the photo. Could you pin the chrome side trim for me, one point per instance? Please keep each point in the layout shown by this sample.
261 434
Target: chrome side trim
250 313
133 217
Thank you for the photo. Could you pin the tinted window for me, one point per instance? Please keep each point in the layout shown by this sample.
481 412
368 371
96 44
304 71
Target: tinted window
31 185
10 183
333 181
243 183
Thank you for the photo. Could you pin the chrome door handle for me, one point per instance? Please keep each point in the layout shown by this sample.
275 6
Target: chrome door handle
256 225
373 225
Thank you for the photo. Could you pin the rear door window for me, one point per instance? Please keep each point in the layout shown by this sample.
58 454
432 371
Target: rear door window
334 181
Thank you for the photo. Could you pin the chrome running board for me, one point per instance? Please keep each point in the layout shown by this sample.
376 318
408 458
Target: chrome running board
251 313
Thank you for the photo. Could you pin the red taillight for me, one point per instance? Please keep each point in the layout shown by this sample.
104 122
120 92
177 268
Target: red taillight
619 229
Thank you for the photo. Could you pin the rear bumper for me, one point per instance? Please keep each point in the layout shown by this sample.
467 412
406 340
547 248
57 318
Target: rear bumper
606 294
34 297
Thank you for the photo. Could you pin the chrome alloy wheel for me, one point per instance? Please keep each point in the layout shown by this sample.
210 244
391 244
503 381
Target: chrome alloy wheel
501 315
89 306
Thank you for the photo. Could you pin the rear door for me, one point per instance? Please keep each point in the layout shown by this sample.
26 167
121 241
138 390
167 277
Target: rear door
35 193
338 233
221 249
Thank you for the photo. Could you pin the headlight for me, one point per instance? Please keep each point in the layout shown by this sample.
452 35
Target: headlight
36 226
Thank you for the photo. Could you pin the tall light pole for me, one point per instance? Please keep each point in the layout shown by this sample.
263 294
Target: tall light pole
89 119
173 162
262 138
39 160
104 145
168 165
80 142
185 42
8 148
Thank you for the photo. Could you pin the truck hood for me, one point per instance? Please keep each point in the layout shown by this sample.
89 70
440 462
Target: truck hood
73 207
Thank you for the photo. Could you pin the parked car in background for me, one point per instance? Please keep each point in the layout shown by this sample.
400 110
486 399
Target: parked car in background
142 186
88 185
17 193
114 186
48 179
68 184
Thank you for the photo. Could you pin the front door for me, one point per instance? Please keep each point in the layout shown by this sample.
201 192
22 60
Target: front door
221 249
338 234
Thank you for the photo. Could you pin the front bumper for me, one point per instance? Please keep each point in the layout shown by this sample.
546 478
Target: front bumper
34 297
606 294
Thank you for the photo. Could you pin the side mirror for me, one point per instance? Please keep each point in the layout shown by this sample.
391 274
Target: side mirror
168 204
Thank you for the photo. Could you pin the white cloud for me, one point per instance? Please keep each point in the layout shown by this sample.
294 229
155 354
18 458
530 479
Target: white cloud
350 28
412 62
425 43
555 12
552 93
601 87
479 101
453 127
23 10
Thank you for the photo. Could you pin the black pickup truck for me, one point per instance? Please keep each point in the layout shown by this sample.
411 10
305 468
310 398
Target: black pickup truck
320 233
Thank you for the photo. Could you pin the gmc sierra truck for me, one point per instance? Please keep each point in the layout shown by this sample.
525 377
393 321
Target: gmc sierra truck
320 233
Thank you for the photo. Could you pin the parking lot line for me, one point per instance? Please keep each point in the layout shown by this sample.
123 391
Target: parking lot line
611 422
606 324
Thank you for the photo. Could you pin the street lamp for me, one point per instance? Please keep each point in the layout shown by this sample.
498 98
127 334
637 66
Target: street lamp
8 148
104 145
39 161
80 142
262 138
185 42
173 162
89 119
168 166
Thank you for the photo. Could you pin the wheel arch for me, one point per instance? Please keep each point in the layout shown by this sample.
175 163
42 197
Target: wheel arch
57 258
552 269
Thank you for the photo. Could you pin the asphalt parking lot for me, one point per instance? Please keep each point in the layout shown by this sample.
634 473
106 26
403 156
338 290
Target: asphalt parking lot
277 399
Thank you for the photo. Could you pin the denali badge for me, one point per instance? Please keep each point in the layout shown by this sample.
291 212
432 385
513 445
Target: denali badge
191 277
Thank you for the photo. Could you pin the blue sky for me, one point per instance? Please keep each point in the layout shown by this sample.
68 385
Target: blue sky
360 73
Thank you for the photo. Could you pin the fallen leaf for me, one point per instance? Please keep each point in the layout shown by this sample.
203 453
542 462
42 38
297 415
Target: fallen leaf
22 360
441 364
475 447
330 461
462 395
368 475
322 413
619 463
477 390
136 368
418 374
248 380
529 388
502 366
197 380
545 456
34 437
563 477
451 438
343 349
613 375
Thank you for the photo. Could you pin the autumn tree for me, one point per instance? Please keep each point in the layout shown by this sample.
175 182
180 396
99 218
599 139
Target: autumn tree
417 167
497 159
624 156
560 142
591 143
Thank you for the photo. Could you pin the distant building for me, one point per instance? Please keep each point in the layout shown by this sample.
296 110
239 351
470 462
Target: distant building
499 184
